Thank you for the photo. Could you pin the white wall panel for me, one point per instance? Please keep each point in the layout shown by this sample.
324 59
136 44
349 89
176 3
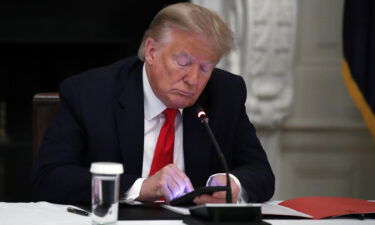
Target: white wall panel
326 148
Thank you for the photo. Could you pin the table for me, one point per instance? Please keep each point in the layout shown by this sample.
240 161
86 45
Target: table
44 213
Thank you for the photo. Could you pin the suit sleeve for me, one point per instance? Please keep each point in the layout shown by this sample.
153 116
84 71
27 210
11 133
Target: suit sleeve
251 164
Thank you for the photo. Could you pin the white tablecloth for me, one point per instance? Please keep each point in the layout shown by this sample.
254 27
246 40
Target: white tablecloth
44 213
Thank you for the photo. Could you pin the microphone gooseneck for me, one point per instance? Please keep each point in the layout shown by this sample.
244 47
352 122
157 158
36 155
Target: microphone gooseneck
204 119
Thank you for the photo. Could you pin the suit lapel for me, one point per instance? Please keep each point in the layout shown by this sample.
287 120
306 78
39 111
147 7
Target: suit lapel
130 121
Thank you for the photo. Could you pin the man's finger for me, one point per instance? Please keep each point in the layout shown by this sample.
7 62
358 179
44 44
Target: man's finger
219 194
167 192
181 179
188 187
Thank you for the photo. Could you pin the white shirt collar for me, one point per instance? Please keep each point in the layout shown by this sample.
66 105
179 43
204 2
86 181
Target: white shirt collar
152 104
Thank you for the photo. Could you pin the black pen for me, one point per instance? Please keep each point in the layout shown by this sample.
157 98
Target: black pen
78 211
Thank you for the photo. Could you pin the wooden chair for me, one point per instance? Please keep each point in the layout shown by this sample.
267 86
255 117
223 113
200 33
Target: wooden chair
45 106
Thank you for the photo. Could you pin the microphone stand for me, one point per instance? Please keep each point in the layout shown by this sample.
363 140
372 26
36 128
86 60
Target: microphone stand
204 119
223 214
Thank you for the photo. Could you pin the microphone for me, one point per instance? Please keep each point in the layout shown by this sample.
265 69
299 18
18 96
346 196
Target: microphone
228 213
204 120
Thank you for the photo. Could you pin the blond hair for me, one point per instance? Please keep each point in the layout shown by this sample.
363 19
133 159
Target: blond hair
191 18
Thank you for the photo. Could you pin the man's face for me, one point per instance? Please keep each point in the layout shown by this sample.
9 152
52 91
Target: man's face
179 69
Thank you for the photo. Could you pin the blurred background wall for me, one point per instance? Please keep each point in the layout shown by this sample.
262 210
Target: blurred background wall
290 53
326 148
313 134
43 42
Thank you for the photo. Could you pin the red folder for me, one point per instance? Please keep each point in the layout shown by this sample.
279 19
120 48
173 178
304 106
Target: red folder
323 207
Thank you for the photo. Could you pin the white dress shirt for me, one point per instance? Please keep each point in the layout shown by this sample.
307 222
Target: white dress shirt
153 121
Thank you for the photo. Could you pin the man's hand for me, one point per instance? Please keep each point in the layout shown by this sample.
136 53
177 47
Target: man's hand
220 196
169 182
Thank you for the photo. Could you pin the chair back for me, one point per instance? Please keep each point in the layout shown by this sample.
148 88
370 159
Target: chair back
45 106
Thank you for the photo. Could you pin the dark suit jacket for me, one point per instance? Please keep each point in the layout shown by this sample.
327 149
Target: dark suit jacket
101 118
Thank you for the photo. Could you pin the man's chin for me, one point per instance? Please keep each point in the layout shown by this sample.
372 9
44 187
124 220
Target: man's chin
180 104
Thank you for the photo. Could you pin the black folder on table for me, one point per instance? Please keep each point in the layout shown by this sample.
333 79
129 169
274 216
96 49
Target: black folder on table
149 211
154 211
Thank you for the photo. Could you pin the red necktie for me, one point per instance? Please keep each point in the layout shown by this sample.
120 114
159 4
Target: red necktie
163 154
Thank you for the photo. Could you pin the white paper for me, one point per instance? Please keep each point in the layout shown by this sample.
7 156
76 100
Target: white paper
177 209
273 208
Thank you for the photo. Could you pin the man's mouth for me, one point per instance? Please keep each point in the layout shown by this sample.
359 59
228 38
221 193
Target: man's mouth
185 93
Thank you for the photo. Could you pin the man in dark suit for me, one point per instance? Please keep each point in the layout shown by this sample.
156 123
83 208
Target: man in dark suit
119 114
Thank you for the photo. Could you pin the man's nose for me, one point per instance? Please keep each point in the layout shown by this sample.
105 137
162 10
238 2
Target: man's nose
191 77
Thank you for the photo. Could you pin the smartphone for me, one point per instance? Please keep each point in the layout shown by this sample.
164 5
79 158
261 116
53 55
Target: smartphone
187 199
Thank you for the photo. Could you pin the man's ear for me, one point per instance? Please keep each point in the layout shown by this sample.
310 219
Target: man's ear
150 46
